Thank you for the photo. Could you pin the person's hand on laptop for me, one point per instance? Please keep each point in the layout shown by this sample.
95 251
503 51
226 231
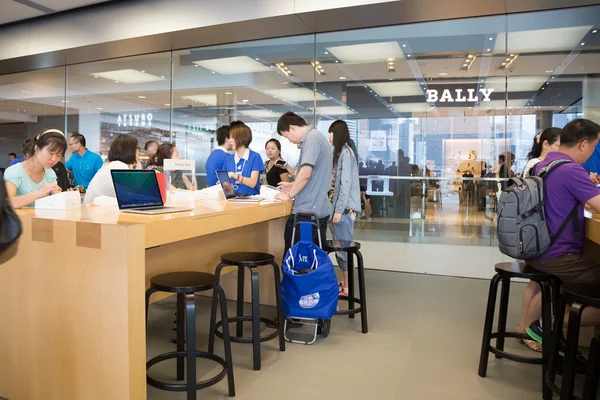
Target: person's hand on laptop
282 196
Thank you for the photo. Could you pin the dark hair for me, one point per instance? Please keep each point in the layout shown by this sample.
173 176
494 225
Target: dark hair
124 149
577 131
12 154
79 137
502 158
288 119
164 152
28 148
148 143
236 123
222 134
52 138
241 134
341 137
277 143
550 135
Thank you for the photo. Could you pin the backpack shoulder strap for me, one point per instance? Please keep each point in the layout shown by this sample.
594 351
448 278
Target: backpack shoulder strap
551 167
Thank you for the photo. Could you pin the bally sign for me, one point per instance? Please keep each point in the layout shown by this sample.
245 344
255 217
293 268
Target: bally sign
434 97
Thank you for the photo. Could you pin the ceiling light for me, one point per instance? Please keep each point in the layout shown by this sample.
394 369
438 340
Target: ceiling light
549 71
583 43
337 61
210 99
167 105
470 56
409 56
228 93
96 76
244 101
595 30
129 76
367 53
196 65
97 108
342 77
256 58
465 65
65 101
272 66
162 77
233 65
489 49
213 72
491 38
443 74
503 63
141 97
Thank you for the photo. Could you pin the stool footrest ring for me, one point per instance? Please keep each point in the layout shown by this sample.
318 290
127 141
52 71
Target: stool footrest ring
355 310
248 318
510 356
177 387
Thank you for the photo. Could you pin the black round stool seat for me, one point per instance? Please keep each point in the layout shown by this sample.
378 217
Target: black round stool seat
520 270
584 293
247 259
183 282
341 245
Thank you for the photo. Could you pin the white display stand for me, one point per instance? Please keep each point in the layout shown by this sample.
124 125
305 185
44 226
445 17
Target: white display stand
60 201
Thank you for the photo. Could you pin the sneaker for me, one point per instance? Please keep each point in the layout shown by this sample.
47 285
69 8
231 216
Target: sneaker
343 293
535 331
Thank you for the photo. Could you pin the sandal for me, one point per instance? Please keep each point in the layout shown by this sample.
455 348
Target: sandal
533 345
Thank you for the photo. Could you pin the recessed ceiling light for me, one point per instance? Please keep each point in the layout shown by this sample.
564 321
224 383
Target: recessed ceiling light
162 77
272 66
503 63
213 72
583 43
326 52
196 65
65 101
489 49
167 105
141 97
256 58
232 65
342 77
548 71
465 65
491 38
129 76
337 61
228 93
443 74
470 56
244 101
595 30
143 71
96 76
98 108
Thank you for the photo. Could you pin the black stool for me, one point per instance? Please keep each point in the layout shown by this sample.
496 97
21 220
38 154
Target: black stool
252 261
504 273
579 296
352 249
185 284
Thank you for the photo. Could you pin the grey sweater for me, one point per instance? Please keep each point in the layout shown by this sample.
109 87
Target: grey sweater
347 186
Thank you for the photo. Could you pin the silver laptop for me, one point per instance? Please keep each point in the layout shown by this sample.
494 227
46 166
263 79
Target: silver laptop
229 190
138 192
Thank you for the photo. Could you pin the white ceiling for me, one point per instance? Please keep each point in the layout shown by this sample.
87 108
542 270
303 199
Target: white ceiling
18 10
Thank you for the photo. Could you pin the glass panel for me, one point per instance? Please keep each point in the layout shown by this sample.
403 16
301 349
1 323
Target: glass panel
123 96
255 82
426 107
29 102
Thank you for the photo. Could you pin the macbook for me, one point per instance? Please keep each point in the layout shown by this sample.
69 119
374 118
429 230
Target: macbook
229 190
138 192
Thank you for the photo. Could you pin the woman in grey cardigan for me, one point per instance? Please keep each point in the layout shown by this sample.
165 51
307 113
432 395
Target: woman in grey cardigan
346 192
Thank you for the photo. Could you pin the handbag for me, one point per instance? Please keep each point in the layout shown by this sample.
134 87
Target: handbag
10 224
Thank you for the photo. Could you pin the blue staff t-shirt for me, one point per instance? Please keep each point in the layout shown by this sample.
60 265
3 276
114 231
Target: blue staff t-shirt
215 162
593 163
84 167
251 161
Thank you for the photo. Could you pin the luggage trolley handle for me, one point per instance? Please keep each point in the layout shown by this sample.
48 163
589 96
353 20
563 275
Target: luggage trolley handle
314 220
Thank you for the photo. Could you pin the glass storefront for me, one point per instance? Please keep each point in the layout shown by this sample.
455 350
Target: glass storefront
431 106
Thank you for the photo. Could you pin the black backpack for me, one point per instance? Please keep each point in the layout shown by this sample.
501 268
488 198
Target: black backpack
10 224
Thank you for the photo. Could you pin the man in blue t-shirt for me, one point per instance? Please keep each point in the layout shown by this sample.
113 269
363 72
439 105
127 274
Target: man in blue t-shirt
216 160
83 163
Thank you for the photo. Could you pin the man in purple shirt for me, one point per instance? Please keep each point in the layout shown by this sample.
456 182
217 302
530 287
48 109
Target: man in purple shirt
568 187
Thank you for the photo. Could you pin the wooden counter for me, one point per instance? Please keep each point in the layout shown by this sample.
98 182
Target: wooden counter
72 290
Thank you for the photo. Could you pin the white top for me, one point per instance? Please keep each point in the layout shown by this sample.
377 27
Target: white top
102 184
245 157
530 164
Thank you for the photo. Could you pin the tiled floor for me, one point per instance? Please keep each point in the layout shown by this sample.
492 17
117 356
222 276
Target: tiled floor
423 343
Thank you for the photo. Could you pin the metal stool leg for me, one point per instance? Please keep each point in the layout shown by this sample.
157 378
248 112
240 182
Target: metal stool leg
503 313
569 367
547 335
592 374
180 340
554 355
350 282
363 293
149 293
213 321
190 314
239 329
280 318
255 319
487 327
226 341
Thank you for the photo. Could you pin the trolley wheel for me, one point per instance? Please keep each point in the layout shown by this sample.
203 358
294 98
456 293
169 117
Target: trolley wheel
326 326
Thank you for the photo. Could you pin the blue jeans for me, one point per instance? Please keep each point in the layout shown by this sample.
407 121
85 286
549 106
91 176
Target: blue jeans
343 230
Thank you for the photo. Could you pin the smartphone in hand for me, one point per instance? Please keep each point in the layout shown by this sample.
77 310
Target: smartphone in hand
281 163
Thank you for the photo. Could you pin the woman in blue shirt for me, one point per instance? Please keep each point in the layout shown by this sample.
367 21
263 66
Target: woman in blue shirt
245 165
34 178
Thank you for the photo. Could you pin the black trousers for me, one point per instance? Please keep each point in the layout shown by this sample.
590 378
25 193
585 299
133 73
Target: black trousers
289 227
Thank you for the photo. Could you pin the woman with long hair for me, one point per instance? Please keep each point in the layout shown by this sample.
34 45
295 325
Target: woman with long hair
346 192
124 153
167 151
276 168
34 178
245 165
543 143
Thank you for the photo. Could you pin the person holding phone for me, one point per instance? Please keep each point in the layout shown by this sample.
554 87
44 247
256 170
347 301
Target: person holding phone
34 178
245 165
276 169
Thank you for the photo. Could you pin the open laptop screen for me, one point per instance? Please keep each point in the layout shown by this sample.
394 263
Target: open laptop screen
136 188
226 184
